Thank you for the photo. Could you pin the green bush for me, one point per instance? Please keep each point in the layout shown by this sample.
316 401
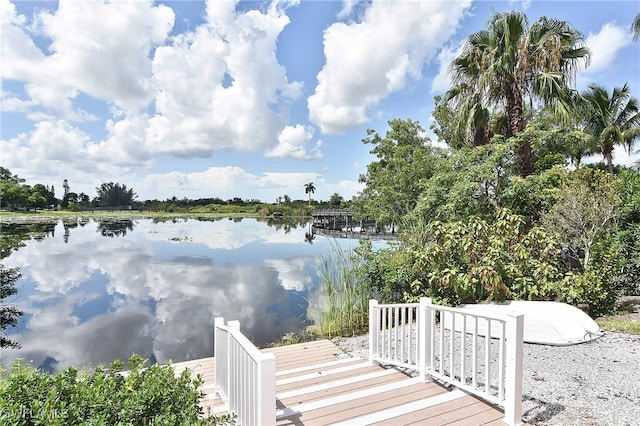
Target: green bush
144 396
468 262
478 261
627 277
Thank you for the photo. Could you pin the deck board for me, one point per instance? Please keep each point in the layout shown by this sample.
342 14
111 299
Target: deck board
314 387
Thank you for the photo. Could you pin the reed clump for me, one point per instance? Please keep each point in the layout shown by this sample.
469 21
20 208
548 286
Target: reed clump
342 305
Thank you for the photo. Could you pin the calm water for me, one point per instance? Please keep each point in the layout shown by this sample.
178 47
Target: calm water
95 292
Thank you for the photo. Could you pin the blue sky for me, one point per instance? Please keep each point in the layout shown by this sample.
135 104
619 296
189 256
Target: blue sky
244 99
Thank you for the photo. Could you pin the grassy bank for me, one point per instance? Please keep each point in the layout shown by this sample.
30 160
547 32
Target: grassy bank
54 216
626 319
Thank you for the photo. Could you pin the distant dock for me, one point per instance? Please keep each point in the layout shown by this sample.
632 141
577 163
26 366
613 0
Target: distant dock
339 223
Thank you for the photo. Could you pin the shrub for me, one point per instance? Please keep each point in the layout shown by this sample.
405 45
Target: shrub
468 262
145 396
477 261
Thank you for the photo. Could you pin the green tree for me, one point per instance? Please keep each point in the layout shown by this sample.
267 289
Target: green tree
586 211
508 61
468 182
13 193
6 175
635 27
114 195
394 182
335 200
9 312
309 189
612 119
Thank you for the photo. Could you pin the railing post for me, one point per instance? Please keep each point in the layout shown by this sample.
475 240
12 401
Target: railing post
373 329
267 386
513 385
232 386
424 335
219 356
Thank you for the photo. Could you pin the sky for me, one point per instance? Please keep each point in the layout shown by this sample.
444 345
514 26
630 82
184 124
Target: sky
255 99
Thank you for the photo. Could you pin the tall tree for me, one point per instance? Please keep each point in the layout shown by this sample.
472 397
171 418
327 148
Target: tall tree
612 119
510 61
394 182
336 200
13 193
635 27
114 195
586 210
309 189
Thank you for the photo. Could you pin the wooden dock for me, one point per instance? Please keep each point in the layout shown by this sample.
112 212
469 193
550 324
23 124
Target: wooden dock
316 385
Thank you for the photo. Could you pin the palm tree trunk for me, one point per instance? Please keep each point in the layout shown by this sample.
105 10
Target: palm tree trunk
609 157
517 123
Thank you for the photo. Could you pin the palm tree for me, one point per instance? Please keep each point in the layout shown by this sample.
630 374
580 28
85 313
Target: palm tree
635 27
309 189
510 61
612 119
472 118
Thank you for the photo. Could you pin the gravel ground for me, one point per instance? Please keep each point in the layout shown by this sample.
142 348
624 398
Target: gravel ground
595 383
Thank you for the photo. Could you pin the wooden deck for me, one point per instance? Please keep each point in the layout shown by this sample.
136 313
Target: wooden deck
314 387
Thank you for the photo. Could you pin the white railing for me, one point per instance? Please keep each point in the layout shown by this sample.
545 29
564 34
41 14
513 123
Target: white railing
393 331
476 351
245 378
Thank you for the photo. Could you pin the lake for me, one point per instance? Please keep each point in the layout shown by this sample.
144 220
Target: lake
95 291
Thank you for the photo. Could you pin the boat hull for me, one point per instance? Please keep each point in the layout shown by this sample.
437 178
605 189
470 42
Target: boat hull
546 323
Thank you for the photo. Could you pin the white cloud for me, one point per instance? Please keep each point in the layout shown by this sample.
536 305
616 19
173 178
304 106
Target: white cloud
605 45
620 157
292 142
21 59
103 49
223 182
348 7
98 48
291 272
50 146
55 150
125 144
442 81
221 87
368 60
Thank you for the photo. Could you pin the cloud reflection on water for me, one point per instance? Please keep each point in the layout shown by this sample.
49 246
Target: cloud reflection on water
156 290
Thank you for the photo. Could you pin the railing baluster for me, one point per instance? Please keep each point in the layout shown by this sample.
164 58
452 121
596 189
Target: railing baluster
396 312
402 332
501 362
463 347
452 335
442 322
487 358
474 373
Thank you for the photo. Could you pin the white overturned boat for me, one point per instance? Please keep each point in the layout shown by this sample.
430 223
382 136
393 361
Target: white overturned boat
546 323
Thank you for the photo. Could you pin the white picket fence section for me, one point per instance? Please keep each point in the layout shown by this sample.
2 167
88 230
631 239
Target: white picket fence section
475 351
245 378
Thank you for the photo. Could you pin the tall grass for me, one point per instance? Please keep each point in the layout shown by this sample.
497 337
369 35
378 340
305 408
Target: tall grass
342 304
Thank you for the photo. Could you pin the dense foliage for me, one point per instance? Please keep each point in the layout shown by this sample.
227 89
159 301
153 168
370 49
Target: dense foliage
111 194
500 214
144 396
